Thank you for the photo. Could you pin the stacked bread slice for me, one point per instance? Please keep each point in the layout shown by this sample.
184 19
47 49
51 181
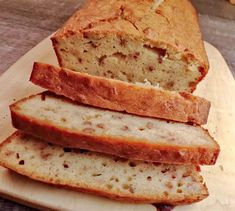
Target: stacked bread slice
118 138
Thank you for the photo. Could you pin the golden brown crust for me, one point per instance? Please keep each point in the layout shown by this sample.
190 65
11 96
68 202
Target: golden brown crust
171 24
121 96
123 147
114 195
9 139
54 43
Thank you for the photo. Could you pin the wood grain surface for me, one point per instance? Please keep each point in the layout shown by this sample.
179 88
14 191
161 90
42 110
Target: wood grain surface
25 23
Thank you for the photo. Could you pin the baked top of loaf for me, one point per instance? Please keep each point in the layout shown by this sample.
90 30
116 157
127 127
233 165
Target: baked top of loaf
169 30
101 174
117 95
66 123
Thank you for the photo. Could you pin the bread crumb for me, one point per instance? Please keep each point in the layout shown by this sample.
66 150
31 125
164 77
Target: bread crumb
221 167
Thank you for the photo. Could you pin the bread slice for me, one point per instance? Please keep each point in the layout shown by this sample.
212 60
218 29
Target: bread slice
68 124
135 41
101 174
121 96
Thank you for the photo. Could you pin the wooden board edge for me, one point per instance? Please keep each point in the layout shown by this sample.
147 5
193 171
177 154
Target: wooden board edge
25 202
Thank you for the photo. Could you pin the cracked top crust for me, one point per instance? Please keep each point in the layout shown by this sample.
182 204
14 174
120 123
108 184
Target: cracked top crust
171 24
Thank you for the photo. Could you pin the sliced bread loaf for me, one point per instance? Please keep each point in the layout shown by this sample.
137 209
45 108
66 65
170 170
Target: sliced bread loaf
134 41
100 174
63 122
121 96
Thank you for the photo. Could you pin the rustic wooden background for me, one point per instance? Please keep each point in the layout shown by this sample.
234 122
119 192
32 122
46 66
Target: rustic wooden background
24 23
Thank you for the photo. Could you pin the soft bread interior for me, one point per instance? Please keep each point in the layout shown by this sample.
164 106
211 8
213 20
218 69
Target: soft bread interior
130 60
62 112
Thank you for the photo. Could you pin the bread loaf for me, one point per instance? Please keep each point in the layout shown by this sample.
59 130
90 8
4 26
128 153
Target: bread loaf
135 41
100 174
63 122
121 96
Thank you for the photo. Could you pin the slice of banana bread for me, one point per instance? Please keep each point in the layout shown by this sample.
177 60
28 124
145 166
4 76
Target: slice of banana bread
135 41
121 96
57 119
101 174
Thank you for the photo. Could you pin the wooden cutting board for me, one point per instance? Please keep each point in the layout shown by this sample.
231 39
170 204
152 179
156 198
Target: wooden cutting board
218 87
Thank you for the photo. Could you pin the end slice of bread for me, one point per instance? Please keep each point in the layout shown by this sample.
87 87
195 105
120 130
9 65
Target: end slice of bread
121 96
101 174
63 122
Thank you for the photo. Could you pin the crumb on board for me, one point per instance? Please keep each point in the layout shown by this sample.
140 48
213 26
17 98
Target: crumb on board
221 167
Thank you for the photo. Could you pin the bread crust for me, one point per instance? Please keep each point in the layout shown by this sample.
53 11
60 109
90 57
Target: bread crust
172 25
120 146
112 194
121 96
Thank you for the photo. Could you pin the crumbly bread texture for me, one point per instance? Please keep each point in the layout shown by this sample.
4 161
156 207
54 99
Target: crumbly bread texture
101 174
135 41
121 96
63 122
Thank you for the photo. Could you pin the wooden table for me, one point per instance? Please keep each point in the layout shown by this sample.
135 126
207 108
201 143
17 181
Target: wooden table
25 23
